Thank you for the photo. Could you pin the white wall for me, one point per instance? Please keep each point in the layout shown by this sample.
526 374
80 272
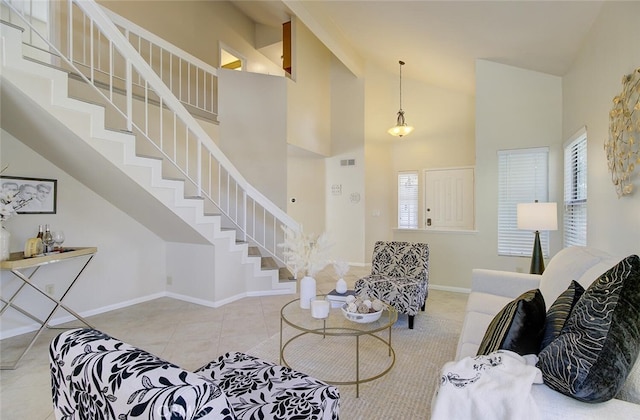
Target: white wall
610 51
308 93
306 189
515 108
443 137
130 263
345 219
191 272
253 130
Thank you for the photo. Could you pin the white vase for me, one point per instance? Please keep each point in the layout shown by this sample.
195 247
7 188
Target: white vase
341 286
5 239
307 291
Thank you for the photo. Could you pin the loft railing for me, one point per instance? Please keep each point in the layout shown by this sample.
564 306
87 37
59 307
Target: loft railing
146 80
191 80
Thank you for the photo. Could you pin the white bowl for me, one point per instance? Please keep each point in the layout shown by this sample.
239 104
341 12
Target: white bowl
360 318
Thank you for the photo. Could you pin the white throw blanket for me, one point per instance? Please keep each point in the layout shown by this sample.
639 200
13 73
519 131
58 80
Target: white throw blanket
496 386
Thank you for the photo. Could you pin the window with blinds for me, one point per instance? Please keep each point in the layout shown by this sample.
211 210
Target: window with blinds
575 191
408 200
523 177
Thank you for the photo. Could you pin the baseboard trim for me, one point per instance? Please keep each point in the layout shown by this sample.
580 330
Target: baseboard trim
450 288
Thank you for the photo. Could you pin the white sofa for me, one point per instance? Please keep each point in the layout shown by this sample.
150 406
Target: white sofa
491 290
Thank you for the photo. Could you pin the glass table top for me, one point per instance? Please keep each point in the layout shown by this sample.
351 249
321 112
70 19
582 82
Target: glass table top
335 323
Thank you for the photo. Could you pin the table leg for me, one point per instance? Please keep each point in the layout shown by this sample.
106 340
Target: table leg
357 366
280 339
22 311
58 304
10 302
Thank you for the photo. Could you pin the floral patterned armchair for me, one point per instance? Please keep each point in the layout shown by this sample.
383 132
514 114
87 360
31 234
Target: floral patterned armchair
95 376
399 276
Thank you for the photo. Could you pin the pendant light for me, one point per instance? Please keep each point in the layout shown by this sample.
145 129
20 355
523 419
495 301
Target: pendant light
401 128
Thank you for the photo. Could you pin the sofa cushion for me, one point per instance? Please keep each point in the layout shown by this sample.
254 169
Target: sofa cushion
567 265
593 355
517 327
559 312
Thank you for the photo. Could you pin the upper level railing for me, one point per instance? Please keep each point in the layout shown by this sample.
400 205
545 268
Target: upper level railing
191 80
146 81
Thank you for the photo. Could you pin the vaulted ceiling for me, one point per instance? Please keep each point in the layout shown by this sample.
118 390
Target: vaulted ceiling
440 40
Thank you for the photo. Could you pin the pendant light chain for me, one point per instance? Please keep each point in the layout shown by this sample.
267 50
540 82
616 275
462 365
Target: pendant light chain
401 64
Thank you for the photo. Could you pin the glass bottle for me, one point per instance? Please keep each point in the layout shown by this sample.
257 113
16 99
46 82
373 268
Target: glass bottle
47 240
40 232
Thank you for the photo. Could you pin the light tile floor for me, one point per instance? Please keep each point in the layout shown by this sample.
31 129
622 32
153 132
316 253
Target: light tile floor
186 334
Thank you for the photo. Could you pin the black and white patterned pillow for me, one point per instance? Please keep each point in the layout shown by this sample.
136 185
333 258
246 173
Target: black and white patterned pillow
517 327
559 312
593 355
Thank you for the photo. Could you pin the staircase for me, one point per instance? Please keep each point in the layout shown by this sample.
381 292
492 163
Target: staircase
191 202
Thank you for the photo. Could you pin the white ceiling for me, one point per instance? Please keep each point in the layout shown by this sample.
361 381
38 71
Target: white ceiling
440 40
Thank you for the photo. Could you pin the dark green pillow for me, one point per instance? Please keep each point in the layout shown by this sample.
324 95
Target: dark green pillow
593 355
559 312
517 327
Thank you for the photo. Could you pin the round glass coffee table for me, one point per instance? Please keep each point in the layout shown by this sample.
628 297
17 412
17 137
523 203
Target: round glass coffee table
324 336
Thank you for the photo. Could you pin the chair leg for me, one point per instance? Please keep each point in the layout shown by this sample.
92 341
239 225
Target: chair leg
411 317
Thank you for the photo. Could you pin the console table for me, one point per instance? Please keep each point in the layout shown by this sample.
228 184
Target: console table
18 265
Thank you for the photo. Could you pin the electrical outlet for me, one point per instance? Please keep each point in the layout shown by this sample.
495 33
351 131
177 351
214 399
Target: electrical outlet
50 289
169 280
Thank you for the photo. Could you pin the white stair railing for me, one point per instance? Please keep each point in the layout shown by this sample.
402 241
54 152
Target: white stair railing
191 80
91 45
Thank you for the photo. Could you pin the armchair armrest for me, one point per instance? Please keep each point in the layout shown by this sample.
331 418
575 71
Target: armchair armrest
502 283
95 375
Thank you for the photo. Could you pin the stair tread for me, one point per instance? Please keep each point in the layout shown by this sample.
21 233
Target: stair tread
148 157
285 275
268 263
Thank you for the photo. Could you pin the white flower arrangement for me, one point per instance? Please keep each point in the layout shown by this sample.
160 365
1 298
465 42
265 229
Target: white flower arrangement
341 268
10 202
305 253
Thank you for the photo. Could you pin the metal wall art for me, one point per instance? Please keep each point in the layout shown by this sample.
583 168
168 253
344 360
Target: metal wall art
623 146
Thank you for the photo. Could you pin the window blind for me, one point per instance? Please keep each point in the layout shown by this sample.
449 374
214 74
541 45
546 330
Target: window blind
408 200
575 191
522 178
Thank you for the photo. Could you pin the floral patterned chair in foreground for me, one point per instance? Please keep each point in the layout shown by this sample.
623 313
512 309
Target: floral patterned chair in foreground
95 376
399 276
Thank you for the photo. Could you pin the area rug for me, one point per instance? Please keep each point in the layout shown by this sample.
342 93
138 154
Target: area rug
405 392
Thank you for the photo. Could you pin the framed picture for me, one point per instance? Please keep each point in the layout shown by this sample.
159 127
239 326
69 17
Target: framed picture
39 195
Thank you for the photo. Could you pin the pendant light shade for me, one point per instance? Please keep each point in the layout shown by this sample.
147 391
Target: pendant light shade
401 128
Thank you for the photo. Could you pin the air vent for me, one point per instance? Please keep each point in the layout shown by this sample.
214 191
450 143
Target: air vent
348 162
